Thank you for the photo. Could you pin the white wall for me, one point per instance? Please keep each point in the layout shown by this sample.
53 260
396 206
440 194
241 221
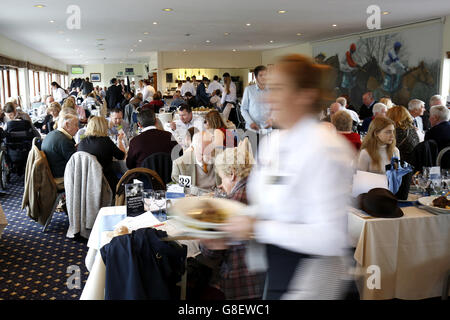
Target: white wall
271 56
209 59
15 50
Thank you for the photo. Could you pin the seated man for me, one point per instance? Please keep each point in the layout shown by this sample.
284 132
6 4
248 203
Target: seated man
198 163
59 145
149 141
179 127
116 124
11 113
440 126
379 110
177 101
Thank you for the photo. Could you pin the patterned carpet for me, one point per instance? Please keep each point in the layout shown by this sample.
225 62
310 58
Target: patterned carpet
33 264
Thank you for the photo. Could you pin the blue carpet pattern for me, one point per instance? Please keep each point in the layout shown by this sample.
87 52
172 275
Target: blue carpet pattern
33 264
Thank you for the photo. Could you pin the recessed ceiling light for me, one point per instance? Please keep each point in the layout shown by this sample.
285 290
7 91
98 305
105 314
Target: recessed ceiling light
299 34
140 40
248 24
40 6
234 50
271 41
155 22
167 9
227 33
52 21
386 12
334 25
282 11
146 33
208 41
184 50
131 50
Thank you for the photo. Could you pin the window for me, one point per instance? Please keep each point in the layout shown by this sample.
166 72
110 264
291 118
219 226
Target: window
22 87
6 84
42 86
13 83
2 89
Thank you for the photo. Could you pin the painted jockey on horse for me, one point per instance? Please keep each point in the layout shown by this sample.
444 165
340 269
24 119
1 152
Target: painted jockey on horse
349 68
393 69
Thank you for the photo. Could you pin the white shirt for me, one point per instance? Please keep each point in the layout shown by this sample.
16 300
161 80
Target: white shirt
147 93
229 97
365 162
300 189
59 94
188 87
213 86
182 128
352 114
148 128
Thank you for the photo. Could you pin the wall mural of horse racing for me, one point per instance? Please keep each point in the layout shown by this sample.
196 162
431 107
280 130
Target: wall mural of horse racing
402 65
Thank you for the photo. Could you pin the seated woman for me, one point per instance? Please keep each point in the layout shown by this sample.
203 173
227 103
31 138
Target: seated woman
230 278
156 103
343 123
215 99
223 138
97 143
405 132
51 118
378 147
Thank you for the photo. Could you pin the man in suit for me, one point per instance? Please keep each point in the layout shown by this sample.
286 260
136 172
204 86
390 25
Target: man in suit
198 163
366 109
59 146
149 141
114 95
86 88
416 108
440 126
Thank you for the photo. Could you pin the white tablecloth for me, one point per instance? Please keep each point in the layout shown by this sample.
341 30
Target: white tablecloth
412 252
107 219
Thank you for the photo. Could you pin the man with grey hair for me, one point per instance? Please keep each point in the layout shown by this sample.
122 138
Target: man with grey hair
59 146
437 100
198 163
343 102
379 110
417 109
440 126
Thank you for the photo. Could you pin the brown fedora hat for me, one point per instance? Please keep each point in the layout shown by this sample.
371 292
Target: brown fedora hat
380 203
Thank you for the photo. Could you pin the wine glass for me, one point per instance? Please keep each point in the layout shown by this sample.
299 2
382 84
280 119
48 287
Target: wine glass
219 192
160 200
445 176
424 182
148 199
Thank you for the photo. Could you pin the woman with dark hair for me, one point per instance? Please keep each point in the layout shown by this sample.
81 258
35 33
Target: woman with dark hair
299 189
155 104
223 138
58 93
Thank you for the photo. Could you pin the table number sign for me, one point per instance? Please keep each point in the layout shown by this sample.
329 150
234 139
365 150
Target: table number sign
134 198
185 181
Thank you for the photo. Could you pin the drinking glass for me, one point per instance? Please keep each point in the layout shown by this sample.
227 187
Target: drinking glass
219 192
445 176
160 200
148 199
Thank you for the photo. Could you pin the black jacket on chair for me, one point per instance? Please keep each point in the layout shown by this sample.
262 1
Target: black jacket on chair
139 266
424 155
161 163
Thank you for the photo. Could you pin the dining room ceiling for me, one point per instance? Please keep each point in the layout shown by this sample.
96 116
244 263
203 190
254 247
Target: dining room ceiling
128 31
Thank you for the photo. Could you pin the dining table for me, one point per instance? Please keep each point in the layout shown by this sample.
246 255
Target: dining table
400 258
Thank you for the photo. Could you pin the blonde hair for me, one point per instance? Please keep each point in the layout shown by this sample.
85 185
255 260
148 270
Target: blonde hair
64 111
97 127
401 117
387 101
372 143
342 121
54 106
238 161
69 103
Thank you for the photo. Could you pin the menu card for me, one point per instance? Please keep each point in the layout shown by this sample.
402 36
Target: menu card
134 198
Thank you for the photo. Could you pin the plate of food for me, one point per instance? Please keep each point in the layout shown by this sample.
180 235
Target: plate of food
205 213
437 204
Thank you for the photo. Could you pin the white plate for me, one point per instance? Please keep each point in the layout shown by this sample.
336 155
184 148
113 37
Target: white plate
428 202
201 234
183 205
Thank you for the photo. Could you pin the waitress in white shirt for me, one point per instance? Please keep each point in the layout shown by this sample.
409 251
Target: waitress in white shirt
229 99
299 189
58 93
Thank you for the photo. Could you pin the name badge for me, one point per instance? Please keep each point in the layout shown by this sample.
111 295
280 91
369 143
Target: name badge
185 181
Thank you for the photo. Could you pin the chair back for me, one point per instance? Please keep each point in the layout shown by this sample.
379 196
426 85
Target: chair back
425 155
443 159
161 163
150 178
37 142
